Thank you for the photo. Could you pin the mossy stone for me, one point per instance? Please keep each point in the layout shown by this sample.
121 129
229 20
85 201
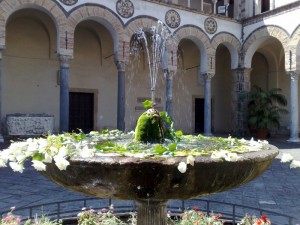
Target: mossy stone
149 128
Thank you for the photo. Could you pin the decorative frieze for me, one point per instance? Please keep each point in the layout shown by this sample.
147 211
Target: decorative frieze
210 25
172 18
125 8
29 124
68 2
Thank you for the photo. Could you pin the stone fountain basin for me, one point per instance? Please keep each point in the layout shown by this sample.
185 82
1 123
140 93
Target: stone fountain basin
133 178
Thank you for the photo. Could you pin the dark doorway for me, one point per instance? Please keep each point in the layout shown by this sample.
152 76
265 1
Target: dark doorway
81 111
265 5
199 115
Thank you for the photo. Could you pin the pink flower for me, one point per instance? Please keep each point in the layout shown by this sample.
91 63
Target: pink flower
9 218
104 210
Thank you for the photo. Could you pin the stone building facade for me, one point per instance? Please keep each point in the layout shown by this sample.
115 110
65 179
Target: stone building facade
73 60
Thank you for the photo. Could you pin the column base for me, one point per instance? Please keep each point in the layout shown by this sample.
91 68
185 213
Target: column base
294 139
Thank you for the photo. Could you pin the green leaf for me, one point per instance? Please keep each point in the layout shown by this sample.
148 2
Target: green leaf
147 104
105 131
38 156
172 147
160 149
179 133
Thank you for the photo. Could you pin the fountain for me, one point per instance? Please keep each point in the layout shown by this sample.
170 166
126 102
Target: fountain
151 167
128 167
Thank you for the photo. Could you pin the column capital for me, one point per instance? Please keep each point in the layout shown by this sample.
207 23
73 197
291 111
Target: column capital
65 60
169 74
293 74
121 65
207 76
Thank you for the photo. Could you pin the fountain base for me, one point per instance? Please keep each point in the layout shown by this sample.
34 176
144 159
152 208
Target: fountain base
151 212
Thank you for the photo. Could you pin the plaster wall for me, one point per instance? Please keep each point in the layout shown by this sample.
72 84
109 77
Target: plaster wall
279 3
187 86
279 20
93 69
222 84
146 9
30 71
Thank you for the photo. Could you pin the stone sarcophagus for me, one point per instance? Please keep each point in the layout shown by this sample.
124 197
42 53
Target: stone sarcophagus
29 124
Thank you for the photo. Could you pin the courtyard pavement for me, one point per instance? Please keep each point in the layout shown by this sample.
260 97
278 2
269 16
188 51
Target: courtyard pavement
277 189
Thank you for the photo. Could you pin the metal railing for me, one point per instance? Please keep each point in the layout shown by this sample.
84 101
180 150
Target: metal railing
70 209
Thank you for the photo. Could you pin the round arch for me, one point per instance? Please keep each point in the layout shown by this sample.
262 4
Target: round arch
258 37
295 50
231 43
96 13
51 9
139 23
199 37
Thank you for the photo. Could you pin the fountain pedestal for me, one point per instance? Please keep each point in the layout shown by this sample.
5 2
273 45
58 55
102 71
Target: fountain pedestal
151 212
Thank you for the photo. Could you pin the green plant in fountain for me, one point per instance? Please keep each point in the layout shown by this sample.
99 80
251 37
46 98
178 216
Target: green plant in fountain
154 126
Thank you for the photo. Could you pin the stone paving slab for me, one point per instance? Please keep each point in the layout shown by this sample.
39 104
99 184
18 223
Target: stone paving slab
278 189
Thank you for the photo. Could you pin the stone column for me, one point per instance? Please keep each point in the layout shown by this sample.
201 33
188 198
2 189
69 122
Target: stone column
201 5
64 92
121 65
207 103
294 120
1 69
215 6
241 83
169 92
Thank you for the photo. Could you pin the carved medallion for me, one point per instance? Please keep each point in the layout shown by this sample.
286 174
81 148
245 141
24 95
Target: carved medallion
69 2
210 25
172 18
125 8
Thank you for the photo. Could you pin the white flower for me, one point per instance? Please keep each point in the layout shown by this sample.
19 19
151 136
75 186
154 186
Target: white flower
61 162
232 157
63 151
38 165
86 152
295 164
219 154
4 155
182 167
47 158
286 157
190 160
21 157
53 150
16 167
2 163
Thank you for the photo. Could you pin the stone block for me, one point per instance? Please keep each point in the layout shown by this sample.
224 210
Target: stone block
29 124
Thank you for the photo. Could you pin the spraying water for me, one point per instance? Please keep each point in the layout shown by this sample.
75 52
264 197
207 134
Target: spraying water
153 42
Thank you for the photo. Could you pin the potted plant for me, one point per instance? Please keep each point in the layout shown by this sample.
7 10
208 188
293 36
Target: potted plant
264 109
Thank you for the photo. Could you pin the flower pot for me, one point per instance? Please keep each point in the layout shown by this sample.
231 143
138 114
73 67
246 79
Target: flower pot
262 134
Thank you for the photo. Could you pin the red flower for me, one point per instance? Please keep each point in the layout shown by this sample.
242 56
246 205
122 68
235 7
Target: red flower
196 208
259 222
264 218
